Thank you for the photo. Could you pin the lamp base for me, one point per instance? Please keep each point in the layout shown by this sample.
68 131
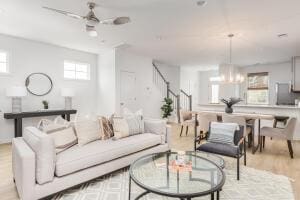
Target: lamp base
16 105
68 103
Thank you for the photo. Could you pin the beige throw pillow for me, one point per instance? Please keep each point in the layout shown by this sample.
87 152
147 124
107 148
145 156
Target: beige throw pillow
63 133
63 139
128 126
87 131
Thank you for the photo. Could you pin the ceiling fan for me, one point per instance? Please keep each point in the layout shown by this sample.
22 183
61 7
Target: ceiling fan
91 19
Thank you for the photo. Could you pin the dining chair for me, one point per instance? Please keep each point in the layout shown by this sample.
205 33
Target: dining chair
186 120
204 120
240 120
283 134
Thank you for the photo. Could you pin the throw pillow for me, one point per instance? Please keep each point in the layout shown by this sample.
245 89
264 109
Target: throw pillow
63 134
127 126
63 139
106 128
222 132
87 131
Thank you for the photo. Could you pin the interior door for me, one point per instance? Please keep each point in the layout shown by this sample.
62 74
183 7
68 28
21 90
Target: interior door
128 91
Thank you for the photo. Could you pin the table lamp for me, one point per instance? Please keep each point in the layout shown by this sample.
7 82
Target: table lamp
16 92
68 93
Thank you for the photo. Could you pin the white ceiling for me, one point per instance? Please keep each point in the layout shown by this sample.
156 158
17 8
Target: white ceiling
173 31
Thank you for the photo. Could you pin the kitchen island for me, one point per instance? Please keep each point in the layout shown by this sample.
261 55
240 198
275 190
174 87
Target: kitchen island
281 110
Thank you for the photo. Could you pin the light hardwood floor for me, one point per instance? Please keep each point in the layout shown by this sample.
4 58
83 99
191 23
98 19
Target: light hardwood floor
274 158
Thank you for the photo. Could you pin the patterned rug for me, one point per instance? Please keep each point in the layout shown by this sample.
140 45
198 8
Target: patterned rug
253 185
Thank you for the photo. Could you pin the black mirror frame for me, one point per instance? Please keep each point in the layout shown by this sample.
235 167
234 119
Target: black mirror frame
27 81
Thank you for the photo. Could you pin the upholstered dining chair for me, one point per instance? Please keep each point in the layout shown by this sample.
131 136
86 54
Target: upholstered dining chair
186 120
204 119
248 130
283 134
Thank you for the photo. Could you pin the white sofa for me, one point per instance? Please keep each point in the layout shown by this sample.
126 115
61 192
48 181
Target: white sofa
39 172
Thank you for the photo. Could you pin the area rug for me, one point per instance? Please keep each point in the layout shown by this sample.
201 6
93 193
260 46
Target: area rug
253 185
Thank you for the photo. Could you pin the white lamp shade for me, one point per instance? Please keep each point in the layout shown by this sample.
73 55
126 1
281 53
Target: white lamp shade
67 92
16 91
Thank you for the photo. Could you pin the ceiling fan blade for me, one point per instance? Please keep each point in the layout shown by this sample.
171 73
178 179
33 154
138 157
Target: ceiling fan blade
65 13
116 21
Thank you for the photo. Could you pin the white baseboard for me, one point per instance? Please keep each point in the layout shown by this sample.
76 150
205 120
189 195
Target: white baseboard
5 141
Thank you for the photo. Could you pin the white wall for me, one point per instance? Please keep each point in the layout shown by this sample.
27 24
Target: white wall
204 86
280 72
25 57
277 73
189 82
106 84
149 97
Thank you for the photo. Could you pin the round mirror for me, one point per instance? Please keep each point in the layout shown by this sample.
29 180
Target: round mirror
38 84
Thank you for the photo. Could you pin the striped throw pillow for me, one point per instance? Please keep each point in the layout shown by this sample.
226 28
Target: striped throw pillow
222 132
128 126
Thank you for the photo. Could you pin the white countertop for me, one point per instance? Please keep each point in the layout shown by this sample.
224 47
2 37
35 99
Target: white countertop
255 106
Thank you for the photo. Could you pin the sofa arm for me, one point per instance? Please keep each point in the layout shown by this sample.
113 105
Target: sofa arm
159 127
23 164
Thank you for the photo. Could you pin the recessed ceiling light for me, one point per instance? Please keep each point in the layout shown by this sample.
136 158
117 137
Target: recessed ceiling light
282 35
201 3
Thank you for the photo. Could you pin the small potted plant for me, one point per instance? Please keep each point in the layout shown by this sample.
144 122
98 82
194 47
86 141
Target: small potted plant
45 104
229 103
167 108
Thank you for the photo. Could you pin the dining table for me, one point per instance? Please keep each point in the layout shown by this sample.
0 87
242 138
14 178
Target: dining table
247 116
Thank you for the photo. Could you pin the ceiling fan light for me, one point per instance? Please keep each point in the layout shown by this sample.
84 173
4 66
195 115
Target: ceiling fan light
91 31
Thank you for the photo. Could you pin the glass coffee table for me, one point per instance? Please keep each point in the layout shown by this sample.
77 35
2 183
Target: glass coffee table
193 174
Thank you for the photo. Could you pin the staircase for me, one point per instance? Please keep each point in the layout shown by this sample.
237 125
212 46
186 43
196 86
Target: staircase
180 101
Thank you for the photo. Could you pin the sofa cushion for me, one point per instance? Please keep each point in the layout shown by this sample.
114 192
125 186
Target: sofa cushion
80 157
44 149
156 126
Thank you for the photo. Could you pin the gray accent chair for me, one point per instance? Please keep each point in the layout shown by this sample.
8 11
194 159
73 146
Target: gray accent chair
283 134
236 151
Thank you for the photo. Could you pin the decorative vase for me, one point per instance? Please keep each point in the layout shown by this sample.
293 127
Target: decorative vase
46 107
229 110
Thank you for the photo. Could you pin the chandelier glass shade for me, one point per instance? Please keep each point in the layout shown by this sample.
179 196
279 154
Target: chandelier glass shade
230 73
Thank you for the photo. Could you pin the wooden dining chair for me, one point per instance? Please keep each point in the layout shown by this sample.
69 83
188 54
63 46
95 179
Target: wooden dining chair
283 134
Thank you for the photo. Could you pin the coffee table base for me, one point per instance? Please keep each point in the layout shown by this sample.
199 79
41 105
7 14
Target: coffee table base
186 198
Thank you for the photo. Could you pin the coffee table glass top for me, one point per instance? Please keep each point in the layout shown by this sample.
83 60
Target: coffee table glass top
209 156
176 175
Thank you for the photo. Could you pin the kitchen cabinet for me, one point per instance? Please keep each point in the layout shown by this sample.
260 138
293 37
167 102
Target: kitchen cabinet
296 74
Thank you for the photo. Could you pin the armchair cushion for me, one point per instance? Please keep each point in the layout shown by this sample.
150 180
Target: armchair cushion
44 149
218 148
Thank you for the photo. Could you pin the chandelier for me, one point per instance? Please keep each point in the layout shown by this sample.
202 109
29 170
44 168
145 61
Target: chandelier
230 73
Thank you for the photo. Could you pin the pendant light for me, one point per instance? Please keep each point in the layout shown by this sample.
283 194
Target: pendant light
229 73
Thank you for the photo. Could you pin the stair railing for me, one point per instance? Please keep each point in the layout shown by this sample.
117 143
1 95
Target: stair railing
185 100
164 86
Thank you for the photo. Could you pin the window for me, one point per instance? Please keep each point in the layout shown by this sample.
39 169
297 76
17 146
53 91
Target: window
75 70
214 93
258 88
3 62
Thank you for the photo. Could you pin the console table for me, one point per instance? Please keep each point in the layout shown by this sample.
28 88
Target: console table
19 116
